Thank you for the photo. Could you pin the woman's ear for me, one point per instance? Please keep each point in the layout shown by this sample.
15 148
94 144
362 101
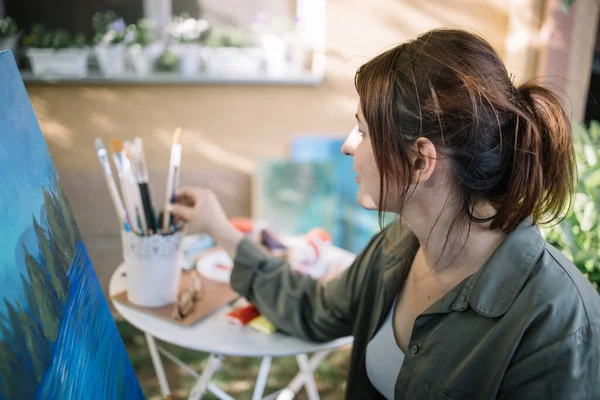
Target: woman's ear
424 160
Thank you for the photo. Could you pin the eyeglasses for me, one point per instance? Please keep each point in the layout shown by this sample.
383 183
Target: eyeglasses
187 298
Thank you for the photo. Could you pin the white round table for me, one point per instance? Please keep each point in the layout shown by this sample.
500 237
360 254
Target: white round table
218 337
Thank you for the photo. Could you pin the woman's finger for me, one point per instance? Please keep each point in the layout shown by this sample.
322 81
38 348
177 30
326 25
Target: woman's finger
185 200
181 211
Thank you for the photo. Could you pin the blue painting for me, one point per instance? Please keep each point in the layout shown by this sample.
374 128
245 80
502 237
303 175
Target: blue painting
294 197
354 226
58 339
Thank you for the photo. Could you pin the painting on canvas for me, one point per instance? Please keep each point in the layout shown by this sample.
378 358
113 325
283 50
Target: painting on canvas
58 339
294 197
354 226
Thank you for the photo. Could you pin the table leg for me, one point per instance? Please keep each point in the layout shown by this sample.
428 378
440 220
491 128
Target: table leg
309 380
261 381
211 387
299 380
158 366
212 366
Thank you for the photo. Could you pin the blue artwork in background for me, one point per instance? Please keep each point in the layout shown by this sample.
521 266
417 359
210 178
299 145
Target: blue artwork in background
58 339
295 197
354 226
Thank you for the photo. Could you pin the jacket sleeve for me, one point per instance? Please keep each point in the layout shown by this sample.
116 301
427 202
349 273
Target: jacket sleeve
295 303
567 369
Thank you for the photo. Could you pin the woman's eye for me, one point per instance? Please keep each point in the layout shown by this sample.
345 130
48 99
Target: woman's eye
358 131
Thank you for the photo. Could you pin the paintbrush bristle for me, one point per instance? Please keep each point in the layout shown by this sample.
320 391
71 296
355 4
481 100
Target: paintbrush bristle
99 144
177 135
116 146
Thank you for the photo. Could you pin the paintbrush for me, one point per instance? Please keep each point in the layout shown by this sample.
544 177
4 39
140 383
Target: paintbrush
144 183
110 182
119 160
131 174
173 177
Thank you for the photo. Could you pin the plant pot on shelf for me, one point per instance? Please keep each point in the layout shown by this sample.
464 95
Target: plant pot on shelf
276 50
189 58
143 58
10 43
299 54
111 58
70 61
234 61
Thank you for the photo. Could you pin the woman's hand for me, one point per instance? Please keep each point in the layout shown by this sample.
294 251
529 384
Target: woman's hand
201 212
199 209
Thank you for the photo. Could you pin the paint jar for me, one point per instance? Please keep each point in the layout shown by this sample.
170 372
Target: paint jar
153 268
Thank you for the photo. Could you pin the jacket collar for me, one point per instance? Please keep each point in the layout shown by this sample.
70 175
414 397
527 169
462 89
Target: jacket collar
492 290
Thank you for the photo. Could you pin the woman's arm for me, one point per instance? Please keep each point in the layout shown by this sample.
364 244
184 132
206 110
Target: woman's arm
296 303
567 369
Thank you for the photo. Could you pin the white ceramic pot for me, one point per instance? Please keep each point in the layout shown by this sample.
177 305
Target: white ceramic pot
234 61
298 56
111 58
143 58
153 268
10 43
189 58
71 62
275 49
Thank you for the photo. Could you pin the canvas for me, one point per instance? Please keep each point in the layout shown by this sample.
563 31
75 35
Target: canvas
294 197
353 225
58 339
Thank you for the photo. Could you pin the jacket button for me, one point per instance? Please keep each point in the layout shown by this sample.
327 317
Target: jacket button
414 349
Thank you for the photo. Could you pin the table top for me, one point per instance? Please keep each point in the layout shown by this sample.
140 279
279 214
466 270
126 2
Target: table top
215 334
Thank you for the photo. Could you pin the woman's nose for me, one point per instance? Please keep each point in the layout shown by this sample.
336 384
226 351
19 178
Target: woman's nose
351 142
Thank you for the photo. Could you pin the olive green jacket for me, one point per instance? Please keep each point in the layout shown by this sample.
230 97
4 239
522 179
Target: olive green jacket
525 326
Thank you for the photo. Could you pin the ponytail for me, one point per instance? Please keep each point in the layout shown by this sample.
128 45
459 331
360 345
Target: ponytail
543 176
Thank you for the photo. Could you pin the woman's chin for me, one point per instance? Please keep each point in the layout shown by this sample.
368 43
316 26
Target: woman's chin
366 201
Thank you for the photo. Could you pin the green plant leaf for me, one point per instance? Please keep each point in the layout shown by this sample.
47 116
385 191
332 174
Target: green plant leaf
568 238
585 255
8 27
590 154
566 4
594 131
590 180
589 217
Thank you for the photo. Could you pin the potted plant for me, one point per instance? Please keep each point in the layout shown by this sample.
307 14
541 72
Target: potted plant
167 62
276 34
143 48
187 35
233 51
578 235
9 34
109 39
56 52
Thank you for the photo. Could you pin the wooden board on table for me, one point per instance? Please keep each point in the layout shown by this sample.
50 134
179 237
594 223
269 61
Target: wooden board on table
214 296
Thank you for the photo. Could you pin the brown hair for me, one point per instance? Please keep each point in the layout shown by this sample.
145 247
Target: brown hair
511 146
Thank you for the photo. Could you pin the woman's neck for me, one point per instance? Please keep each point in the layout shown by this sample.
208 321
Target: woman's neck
449 248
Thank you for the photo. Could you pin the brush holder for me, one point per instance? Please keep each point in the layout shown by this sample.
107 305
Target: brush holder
153 268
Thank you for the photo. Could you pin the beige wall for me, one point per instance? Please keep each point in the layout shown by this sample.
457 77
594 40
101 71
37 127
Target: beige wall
228 128
567 42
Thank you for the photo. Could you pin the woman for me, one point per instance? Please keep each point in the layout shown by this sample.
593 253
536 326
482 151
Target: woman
462 298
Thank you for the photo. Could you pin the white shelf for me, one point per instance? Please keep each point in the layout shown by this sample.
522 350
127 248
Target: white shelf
165 78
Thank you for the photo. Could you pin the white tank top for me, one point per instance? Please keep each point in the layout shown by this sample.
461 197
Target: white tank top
384 358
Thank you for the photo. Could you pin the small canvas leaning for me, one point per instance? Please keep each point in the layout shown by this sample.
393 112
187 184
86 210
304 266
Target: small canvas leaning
58 339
